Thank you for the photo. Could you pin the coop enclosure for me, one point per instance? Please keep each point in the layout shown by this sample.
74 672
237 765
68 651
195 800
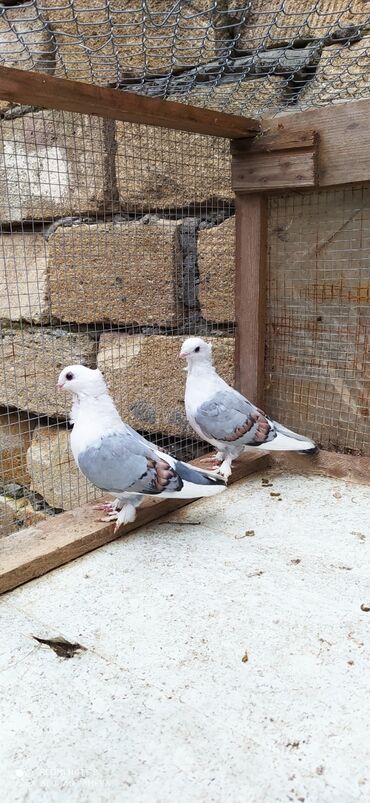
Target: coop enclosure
128 224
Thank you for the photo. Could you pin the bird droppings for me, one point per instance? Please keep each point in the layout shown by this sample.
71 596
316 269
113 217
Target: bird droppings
365 607
276 493
293 745
344 568
361 537
256 574
295 561
359 643
247 534
265 482
337 495
61 647
245 658
350 663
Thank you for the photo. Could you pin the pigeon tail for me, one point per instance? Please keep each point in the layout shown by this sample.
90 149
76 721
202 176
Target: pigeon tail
197 483
288 441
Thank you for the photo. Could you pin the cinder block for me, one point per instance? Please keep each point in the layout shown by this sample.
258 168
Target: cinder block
119 272
52 164
26 40
53 471
277 23
15 438
342 74
216 264
31 362
16 514
250 98
158 168
127 37
147 378
23 278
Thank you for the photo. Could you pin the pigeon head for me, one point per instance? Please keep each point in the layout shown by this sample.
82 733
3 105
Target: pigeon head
196 350
82 381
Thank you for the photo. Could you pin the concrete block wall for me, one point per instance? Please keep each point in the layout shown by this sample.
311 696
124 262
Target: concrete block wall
117 242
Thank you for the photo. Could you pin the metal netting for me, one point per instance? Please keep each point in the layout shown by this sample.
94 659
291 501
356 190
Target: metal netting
118 240
242 56
108 257
318 319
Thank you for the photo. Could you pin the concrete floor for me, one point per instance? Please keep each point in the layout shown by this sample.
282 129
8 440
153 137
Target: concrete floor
161 708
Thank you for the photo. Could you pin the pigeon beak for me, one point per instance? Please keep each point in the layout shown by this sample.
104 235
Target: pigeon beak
182 355
60 387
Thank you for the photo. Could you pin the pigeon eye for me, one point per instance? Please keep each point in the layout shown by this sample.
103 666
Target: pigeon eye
197 349
69 375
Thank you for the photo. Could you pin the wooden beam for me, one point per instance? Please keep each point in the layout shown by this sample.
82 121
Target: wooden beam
344 137
326 464
36 550
45 91
275 170
250 294
266 143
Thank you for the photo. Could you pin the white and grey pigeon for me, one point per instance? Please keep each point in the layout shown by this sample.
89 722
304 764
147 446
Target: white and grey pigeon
117 459
225 418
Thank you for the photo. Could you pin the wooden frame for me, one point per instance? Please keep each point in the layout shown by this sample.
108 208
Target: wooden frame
250 292
306 150
319 148
32 552
45 91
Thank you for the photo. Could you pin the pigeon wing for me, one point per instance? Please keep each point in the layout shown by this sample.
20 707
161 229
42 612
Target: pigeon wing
230 418
123 461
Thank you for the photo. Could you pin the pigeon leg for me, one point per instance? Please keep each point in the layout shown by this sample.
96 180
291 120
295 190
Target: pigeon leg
126 515
123 516
225 468
109 507
214 459
127 512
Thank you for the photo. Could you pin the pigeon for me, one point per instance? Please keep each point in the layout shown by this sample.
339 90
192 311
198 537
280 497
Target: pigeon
225 418
116 459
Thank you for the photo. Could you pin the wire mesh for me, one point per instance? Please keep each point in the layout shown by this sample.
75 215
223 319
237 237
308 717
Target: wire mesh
118 240
101 225
318 325
242 56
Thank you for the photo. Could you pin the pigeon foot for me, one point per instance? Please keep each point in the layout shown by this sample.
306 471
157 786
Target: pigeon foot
126 515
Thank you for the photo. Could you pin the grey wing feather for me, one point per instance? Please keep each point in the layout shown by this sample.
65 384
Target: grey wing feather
124 461
229 417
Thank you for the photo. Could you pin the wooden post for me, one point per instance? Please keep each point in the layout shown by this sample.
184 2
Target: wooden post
250 293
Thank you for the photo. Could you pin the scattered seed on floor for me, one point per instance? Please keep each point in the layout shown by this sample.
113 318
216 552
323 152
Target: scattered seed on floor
365 607
295 561
247 534
245 658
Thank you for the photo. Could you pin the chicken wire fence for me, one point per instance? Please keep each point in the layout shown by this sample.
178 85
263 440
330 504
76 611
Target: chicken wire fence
109 238
318 316
118 240
242 56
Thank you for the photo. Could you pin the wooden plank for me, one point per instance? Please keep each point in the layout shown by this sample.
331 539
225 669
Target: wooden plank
45 91
250 294
327 464
278 141
36 550
344 134
263 172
